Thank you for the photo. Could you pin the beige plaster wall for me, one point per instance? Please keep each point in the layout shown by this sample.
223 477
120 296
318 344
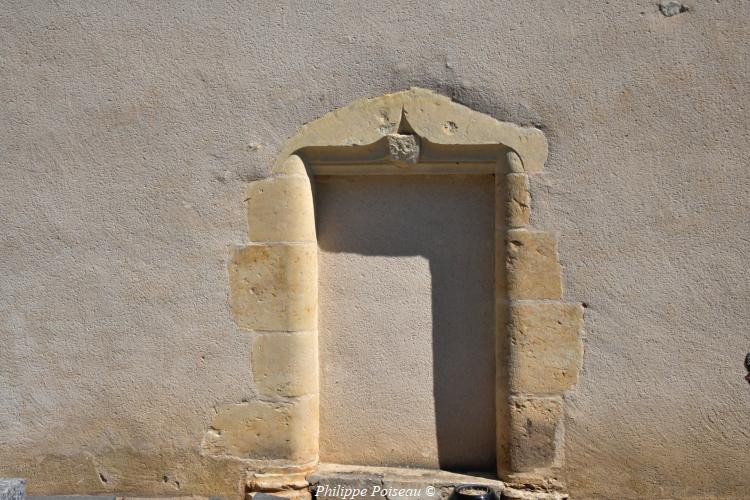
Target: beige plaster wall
407 326
128 132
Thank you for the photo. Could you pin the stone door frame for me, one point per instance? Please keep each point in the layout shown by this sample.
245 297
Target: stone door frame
274 282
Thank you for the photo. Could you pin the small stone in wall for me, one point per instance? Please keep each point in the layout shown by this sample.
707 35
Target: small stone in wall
12 489
672 8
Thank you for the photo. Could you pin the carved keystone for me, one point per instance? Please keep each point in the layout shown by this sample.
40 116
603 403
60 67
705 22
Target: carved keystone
403 150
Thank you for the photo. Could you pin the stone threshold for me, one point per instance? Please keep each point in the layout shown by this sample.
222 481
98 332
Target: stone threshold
337 481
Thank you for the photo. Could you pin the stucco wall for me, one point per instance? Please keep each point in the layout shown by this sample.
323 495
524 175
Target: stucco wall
407 320
127 134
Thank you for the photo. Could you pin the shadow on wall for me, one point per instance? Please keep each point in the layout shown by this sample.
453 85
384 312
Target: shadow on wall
400 256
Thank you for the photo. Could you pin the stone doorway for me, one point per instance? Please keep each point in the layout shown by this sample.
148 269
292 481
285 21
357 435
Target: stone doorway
274 284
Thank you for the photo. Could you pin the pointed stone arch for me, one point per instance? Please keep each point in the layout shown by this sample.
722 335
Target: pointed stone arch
274 282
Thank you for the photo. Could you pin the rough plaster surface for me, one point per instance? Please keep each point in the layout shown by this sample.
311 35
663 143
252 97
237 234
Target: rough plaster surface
407 330
127 134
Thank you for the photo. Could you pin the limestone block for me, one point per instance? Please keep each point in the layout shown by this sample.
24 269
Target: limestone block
515 494
286 364
549 481
517 200
532 268
546 350
267 486
431 116
291 165
274 287
535 429
270 482
12 489
515 165
264 430
500 219
280 209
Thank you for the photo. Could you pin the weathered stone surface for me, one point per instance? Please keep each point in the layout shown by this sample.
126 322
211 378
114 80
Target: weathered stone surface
403 149
432 116
292 165
502 386
286 364
12 489
532 267
280 209
515 165
518 200
278 485
535 428
200 477
104 497
263 481
396 483
516 494
274 287
265 430
546 350
540 481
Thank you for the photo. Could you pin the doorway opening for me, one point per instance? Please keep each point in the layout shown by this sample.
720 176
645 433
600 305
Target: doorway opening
406 320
